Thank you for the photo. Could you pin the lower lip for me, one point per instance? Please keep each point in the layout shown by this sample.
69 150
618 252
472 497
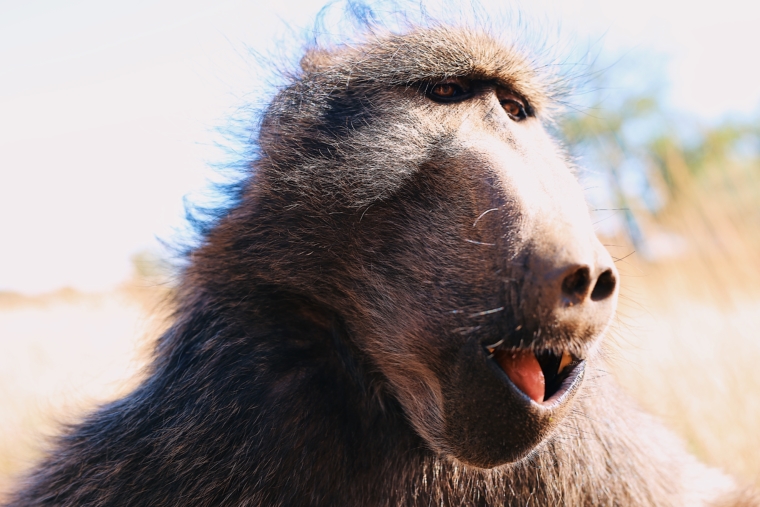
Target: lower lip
568 385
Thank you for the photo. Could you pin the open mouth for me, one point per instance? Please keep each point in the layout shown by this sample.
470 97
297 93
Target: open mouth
541 376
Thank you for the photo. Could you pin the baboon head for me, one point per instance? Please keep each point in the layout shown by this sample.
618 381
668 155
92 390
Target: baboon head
407 187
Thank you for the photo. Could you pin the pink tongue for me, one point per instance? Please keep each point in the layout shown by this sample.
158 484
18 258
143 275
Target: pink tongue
523 370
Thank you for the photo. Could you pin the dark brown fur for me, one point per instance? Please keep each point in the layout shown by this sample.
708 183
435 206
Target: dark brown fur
315 358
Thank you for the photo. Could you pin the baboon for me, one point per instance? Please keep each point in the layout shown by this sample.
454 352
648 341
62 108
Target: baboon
403 306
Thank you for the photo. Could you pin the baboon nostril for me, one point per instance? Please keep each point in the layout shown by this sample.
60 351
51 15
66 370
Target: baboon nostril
576 284
604 287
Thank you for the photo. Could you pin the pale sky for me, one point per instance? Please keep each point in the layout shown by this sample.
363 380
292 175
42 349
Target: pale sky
107 108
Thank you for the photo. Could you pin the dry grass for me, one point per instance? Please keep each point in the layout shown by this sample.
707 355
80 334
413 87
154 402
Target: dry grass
693 361
63 353
687 336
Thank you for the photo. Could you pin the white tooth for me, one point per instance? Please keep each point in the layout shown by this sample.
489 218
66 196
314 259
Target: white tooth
566 359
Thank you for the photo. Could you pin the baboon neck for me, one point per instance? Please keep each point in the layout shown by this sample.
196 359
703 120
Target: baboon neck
316 421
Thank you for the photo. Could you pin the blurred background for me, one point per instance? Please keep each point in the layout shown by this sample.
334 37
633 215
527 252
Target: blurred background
109 120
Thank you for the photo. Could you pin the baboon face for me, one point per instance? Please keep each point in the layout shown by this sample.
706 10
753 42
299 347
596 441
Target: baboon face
465 265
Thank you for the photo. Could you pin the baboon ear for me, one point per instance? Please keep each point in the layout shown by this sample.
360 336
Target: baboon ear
315 60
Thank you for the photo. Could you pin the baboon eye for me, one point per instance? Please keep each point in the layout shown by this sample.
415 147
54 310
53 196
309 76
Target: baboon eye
514 108
448 92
